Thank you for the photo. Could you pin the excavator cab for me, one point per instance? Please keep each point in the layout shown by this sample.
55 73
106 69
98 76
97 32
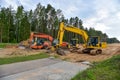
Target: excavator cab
37 43
93 41
74 42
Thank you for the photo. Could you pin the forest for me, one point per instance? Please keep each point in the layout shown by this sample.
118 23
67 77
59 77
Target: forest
16 25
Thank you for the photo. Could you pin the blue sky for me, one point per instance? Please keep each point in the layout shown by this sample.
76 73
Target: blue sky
103 15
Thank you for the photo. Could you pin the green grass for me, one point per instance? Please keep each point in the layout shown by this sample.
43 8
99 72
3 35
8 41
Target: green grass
3 45
22 58
105 70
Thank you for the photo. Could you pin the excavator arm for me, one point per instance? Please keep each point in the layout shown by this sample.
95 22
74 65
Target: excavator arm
71 29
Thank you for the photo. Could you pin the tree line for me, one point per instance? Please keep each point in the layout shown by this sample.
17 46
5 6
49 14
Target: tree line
16 25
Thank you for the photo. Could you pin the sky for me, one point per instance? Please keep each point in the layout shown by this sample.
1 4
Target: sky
103 15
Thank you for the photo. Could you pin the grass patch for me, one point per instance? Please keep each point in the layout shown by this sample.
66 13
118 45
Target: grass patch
105 70
22 58
3 45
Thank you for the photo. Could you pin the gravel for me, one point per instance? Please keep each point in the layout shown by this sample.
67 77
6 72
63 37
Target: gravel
61 70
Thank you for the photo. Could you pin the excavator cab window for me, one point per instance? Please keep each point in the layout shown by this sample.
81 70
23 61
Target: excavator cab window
34 40
38 41
93 41
74 41
55 42
41 41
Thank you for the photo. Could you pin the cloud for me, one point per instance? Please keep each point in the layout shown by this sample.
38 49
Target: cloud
69 12
6 3
106 17
28 4
75 8
103 15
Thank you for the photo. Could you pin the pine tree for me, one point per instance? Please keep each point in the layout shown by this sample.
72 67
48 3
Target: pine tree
30 19
25 28
19 16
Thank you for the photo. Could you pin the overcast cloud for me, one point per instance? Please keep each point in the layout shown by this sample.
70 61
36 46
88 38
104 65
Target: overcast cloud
103 15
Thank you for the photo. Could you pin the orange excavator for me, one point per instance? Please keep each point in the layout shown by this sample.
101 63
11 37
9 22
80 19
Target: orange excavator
38 41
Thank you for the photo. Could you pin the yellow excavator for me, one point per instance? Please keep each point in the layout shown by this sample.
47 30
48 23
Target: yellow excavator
91 45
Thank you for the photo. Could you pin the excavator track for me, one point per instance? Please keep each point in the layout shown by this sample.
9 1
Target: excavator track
95 51
92 51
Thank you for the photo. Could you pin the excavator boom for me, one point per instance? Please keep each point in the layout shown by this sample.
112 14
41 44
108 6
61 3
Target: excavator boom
71 29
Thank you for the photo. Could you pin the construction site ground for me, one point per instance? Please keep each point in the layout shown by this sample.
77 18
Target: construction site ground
49 68
13 52
111 50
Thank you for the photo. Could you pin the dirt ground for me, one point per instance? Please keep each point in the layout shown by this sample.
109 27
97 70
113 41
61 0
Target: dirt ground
12 51
111 50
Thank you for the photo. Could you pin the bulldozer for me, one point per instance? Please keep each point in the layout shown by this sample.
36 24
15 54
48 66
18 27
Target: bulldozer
38 41
92 45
